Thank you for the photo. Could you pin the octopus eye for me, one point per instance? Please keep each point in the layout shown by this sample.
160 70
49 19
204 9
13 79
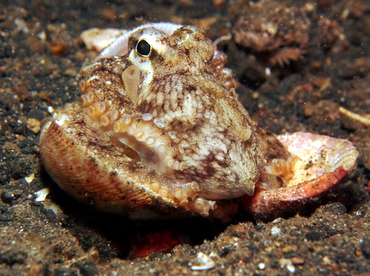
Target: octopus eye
143 48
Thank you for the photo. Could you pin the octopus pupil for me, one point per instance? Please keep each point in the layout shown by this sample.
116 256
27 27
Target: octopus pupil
143 48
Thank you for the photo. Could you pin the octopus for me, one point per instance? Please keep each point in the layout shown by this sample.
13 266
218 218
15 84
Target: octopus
159 132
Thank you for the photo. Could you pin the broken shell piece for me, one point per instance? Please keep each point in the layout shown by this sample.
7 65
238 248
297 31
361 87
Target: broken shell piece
41 194
98 39
364 119
203 262
323 162
117 39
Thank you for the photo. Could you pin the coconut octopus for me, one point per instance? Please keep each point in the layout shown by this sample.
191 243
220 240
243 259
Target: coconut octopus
159 132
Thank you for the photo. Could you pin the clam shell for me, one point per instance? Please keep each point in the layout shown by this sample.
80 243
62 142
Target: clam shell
324 161
115 41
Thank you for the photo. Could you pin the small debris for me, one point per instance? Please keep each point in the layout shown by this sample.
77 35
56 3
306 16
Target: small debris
290 248
97 39
204 262
275 230
224 38
277 220
41 194
288 264
34 125
326 260
48 204
297 260
322 83
261 266
50 109
213 254
71 72
30 178
364 119
56 209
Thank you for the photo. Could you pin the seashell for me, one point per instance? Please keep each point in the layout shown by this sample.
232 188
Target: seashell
323 162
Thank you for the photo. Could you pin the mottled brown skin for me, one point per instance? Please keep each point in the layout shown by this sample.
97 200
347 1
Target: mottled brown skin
197 146
209 122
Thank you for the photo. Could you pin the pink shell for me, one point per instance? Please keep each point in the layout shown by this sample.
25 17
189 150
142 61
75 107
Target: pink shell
324 162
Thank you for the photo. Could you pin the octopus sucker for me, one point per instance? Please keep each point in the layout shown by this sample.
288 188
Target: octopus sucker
88 99
159 132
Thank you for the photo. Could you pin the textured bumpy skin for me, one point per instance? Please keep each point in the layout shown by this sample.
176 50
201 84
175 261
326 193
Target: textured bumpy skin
159 129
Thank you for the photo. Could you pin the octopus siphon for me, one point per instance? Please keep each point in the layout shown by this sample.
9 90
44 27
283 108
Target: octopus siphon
159 132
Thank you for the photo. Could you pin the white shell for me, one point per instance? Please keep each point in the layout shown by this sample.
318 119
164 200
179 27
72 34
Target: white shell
319 154
119 46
